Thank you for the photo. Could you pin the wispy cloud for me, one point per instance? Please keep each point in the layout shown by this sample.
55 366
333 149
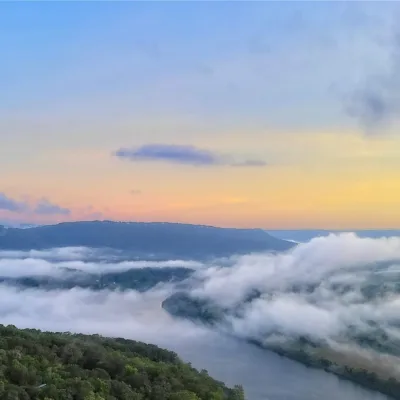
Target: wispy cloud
376 103
45 207
41 207
169 153
249 163
9 204
188 155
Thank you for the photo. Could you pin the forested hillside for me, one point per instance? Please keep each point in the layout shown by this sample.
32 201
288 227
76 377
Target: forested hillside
64 366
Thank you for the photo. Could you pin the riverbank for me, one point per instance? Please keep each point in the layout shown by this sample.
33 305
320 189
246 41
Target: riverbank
370 369
263 374
362 372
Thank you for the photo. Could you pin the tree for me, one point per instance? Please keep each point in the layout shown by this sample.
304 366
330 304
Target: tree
63 366
184 395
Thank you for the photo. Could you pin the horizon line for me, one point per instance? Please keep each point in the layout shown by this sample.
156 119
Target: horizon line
347 230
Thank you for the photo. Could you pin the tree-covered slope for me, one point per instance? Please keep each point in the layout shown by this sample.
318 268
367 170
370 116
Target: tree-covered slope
43 365
161 239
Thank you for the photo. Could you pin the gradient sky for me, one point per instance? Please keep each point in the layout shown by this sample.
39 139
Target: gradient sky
273 115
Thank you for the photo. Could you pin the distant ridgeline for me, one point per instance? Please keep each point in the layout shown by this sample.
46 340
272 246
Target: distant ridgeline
63 366
373 373
132 241
305 235
164 240
140 279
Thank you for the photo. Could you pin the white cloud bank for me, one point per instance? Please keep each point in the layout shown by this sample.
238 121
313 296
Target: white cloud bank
55 262
326 289
129 314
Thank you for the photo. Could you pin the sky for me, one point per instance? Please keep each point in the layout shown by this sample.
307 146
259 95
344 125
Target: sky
244 114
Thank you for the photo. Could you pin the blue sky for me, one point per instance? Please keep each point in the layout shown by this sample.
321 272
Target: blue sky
203 58
285 88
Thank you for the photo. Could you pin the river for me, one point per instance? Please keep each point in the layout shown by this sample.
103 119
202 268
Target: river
265 375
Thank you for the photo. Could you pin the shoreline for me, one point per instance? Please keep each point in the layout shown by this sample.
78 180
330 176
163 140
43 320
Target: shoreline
368 380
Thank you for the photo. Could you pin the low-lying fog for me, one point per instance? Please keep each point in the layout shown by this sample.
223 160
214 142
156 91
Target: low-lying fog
329 289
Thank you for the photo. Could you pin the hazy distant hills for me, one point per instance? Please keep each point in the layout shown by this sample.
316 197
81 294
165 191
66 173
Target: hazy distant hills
140 279
17 225
304 235
159 239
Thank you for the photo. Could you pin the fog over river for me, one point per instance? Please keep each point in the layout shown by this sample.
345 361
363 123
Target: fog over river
263 374
327 289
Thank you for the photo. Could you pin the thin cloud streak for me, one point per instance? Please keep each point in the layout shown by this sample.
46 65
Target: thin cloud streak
184 155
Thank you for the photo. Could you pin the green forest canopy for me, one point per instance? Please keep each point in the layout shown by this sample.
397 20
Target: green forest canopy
65 366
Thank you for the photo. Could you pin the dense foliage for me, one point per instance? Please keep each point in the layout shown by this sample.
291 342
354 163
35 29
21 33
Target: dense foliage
65 366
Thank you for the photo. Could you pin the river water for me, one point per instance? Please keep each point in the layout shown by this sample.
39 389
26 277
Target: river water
265 375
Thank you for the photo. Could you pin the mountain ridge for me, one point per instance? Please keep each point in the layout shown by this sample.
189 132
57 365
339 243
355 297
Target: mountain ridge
163 239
